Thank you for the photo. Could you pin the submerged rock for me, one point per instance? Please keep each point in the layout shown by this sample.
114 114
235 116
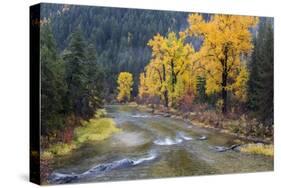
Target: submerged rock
166 115
223 148
59 178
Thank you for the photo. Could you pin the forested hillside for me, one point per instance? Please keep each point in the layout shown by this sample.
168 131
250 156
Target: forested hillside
119 35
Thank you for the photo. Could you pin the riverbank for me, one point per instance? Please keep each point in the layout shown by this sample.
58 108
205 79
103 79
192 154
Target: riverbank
242 127
96 129
153 146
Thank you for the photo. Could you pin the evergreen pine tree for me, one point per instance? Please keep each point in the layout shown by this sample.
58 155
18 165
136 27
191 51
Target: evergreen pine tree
52 83
261 74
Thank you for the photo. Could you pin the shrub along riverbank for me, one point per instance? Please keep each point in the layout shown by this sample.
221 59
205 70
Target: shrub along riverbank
96 129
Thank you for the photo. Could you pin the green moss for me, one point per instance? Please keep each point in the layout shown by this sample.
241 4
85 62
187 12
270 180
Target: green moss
262 149
95 130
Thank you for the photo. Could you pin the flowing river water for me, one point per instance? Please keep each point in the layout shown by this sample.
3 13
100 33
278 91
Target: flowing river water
152 146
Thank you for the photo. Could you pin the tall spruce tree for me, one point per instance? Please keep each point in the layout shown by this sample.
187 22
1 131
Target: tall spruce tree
76 73
82 77
261 74
52 83
94 83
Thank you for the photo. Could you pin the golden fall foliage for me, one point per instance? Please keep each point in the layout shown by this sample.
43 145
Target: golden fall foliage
171 64
226 41
125 83
174 65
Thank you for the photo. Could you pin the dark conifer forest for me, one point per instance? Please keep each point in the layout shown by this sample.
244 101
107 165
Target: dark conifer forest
119 36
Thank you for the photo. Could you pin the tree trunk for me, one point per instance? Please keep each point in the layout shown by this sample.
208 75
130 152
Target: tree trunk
224 98
224 82
174 77
224 91
166 98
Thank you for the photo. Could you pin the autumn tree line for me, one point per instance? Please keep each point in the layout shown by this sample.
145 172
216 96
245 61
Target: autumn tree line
225 62
232 70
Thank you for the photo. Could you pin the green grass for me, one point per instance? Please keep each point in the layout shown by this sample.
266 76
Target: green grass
262 149
95 130
58 149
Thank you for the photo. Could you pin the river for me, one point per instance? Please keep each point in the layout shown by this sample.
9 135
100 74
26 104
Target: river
152 146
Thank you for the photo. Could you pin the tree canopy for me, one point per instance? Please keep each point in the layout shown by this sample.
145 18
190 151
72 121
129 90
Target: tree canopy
226 39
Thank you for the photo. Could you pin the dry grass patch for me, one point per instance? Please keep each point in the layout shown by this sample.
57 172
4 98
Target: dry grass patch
262 149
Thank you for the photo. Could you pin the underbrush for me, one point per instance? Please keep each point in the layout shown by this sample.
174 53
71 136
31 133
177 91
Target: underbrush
241 125
98 128
95 129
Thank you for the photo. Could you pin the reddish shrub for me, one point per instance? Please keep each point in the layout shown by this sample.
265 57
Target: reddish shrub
67 135
186 103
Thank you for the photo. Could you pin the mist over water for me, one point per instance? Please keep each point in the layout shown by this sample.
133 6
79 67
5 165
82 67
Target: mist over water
167 141
129 139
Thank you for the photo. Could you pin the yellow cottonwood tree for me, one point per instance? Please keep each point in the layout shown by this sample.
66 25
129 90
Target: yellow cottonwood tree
156 70
156 80
171 58
226 39
143 89
125 83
